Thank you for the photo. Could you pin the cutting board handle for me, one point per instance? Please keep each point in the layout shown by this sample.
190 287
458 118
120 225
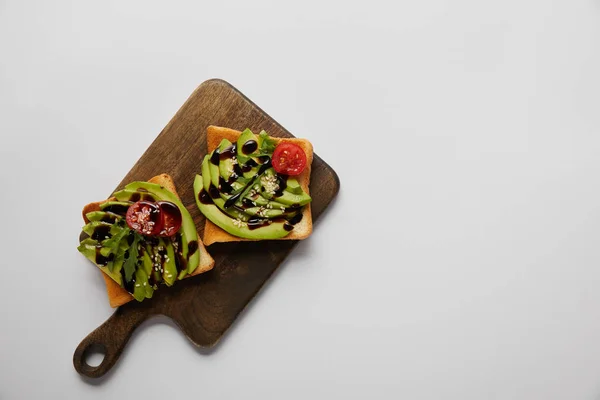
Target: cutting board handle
109 339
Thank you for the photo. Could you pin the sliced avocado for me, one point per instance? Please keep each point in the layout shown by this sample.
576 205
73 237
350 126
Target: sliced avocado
188 228
208 179
146 260
169 267
100 226
292 194
107 235
220 201
156 275
289 199
244 137
133 195
293 186
273 231
105 216
139 290
214 168
206 172
88 248
225 165
237 185
263 201
265 212
149 289
116 245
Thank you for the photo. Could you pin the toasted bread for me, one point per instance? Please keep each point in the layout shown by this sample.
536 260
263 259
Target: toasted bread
117 296
214 234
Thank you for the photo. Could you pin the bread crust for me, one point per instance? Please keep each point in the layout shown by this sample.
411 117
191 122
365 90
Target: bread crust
302 230
117 296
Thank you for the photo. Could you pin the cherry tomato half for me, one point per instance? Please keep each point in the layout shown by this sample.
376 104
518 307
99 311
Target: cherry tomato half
154 219
144 217
289 159
171 218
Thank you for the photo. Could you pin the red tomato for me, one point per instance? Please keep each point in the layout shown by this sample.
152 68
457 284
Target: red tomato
144 217
289 159
171 218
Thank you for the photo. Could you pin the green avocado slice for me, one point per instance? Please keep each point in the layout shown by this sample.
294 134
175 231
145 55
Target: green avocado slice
141 283
105 216
244 137
116 245
168 263
206 173
95 226
188 227
214 169
220 202
225 165
88 247
263 201
273 231
264 212
146 261
293 186
156 275
289 199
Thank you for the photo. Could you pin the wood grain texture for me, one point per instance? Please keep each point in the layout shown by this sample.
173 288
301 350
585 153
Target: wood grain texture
204 306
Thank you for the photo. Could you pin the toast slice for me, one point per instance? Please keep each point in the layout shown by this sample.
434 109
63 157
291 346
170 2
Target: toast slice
117 296
302 230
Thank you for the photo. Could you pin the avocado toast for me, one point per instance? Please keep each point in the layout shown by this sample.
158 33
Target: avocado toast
135 262
243 197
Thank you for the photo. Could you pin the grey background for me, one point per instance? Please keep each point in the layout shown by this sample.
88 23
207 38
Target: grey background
460 260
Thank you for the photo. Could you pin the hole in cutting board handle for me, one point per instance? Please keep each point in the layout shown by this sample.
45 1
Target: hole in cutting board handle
94 355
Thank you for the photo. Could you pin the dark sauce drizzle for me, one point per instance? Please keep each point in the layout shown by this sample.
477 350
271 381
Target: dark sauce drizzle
148 197
231 201
247 203
248 166
101 232
256 222
225 186
135 197
192 247
180 261
128 285
101 260
204 197
295 219
214 158
214 192
282 183
117 209
249 147
228 152
239 171
110 217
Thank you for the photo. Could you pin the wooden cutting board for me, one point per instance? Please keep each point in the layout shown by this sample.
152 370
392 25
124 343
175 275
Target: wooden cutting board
204 306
